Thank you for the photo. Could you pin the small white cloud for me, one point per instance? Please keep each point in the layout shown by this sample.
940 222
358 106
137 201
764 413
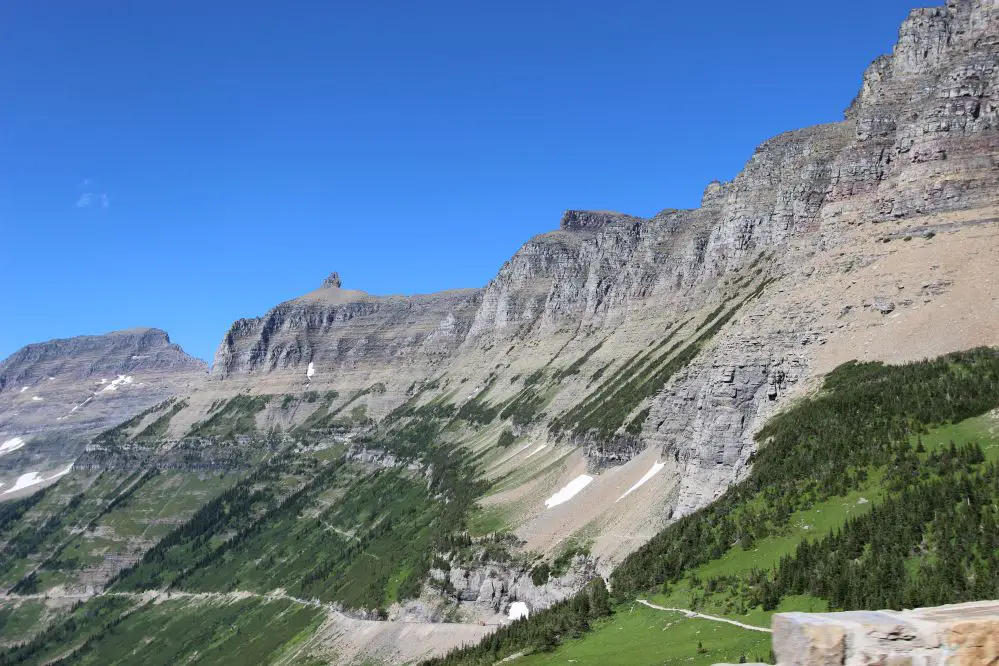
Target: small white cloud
87 196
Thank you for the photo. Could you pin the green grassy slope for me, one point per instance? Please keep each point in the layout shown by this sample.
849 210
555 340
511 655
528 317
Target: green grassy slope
893 461
309 519
119 630
880 491
324 526
76 525
639 635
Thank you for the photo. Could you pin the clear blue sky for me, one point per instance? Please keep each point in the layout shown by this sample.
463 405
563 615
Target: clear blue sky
182 164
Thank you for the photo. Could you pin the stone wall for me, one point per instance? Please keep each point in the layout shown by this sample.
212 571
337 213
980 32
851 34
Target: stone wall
957 635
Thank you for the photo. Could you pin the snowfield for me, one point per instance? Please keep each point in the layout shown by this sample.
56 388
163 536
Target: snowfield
34 478
518 609
656 468
570 490
12 444
115 383
25 481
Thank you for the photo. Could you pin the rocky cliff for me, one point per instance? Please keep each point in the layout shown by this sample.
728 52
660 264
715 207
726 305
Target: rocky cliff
334 332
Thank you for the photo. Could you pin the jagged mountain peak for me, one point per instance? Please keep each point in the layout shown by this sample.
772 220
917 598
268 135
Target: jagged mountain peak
332 281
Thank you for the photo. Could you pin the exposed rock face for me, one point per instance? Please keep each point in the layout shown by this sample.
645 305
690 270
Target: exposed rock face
126 352
493 588
343 332
588 220
57 394
332 281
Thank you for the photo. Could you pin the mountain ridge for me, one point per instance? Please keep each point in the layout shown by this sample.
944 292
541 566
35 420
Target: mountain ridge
609 380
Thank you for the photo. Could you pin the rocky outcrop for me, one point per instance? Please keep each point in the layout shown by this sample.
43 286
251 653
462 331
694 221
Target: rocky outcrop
920 141
589 220
490 590
333 281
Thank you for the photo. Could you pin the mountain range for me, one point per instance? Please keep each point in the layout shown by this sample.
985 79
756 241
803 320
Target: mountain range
608 382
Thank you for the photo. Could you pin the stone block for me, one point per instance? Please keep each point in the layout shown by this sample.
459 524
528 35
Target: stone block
804 639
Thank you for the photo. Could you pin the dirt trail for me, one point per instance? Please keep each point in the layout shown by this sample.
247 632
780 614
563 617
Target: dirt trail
713 618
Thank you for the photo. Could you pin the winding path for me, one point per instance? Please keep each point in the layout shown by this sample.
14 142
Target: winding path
713 618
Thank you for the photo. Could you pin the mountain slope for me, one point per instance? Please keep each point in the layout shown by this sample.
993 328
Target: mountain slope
878 492
56 395
875 236
512 443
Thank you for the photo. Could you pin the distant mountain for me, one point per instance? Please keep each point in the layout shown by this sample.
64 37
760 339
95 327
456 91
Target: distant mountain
55 395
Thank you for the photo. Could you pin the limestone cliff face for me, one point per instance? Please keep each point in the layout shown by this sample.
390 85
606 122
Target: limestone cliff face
55 395
600 266
926 120
337 332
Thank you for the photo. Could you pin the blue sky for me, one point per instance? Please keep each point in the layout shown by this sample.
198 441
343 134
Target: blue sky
182 164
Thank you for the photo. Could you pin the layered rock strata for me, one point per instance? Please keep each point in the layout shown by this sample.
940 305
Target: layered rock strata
56 395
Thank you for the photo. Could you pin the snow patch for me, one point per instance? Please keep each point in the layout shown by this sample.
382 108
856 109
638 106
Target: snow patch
656 468
82 404
569 491
311 371
24 388
37 398
115 383
518 610
537 450
25 481
12 444
34 478
69 468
